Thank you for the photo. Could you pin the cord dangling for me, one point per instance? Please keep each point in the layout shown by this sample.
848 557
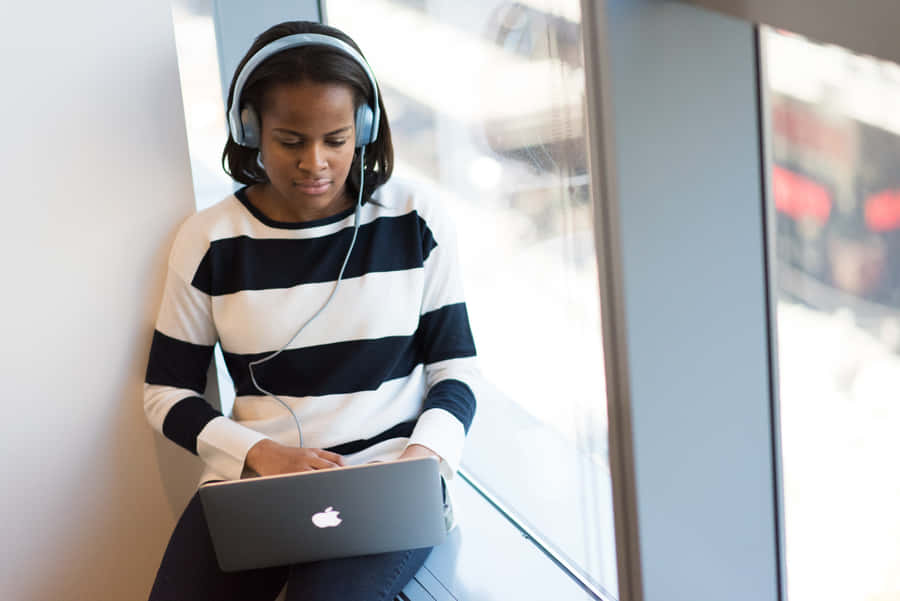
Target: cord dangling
362 173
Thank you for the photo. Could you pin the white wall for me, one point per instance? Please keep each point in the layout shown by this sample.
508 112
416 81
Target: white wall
95 175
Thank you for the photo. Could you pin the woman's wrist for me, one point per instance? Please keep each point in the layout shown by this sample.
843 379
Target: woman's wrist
415 451
257 453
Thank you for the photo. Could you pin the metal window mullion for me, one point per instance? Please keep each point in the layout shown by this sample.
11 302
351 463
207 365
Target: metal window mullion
605 200
769 231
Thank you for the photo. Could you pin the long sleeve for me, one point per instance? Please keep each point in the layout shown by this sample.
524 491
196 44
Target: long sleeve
176 372
448 350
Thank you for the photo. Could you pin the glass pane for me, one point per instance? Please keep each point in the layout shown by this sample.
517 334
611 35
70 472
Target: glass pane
485 99
204 115
204 107
835 141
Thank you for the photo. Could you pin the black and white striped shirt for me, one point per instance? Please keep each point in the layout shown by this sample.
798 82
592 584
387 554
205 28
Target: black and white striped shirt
390 362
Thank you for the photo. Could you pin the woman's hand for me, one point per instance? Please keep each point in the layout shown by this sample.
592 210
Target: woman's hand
414 451
268 458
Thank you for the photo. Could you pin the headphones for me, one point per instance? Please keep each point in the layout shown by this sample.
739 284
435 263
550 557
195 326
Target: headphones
244 123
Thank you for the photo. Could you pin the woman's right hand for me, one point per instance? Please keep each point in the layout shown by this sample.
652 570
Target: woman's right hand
268 458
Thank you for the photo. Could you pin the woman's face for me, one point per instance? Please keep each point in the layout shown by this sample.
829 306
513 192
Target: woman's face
306 147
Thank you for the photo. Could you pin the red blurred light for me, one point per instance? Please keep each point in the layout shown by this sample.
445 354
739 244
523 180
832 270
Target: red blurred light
798 196
882 211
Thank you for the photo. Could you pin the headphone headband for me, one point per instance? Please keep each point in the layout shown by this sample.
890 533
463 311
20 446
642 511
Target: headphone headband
244 124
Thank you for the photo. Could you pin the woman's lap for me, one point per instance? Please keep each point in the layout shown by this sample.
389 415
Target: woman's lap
365 578
189 571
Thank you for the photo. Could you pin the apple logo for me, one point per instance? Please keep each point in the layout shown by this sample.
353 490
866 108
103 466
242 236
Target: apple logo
326 519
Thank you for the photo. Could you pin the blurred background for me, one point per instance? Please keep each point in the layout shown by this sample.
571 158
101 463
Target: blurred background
834 138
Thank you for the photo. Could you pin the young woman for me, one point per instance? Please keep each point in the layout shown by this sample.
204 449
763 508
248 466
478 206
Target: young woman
336 297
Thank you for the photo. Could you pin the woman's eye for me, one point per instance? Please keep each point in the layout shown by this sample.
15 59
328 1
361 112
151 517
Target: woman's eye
296 143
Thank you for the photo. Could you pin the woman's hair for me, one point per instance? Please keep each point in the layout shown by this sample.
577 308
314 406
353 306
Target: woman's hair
318 64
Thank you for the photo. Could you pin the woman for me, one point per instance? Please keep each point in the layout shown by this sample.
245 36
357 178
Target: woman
336 297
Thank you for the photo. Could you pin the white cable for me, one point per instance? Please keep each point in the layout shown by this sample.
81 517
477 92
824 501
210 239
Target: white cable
362 167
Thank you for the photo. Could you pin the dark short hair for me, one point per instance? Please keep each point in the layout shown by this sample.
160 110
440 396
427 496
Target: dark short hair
319 64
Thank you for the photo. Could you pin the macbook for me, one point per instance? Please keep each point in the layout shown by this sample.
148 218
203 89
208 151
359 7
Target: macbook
324 514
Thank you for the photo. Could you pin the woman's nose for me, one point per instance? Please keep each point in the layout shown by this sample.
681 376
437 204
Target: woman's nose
312 157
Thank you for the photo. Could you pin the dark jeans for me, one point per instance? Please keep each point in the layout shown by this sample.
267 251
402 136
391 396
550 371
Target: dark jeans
189 572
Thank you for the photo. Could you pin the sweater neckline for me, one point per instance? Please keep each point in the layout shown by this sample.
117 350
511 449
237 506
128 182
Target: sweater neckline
241 195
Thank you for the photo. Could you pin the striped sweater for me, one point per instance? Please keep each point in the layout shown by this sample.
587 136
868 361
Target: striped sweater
387 364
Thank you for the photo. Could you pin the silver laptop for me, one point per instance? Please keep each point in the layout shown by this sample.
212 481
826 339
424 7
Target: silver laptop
324 514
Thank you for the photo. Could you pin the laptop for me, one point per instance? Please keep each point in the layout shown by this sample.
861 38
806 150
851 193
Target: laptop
325 514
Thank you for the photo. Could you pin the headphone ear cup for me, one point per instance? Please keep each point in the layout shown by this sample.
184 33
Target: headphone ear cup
365 118
250 127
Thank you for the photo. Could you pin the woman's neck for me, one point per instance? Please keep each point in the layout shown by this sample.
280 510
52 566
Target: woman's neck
278 208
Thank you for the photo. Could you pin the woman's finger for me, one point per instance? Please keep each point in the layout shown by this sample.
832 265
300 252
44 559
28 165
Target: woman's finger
321 463
332 457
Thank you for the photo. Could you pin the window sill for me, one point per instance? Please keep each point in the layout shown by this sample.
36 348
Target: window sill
487 558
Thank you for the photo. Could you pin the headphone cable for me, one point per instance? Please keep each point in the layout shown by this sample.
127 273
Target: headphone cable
362 167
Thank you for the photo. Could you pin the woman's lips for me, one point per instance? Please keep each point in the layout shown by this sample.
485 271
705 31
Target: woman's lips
313 186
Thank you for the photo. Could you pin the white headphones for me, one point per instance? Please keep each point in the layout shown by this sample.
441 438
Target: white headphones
244 122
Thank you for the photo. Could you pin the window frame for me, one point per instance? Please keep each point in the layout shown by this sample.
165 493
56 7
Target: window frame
675 536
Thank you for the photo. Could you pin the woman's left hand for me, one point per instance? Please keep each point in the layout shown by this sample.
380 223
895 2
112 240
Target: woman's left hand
414 451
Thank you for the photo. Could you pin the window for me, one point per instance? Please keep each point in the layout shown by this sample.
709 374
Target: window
201 89
835 147
485 101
